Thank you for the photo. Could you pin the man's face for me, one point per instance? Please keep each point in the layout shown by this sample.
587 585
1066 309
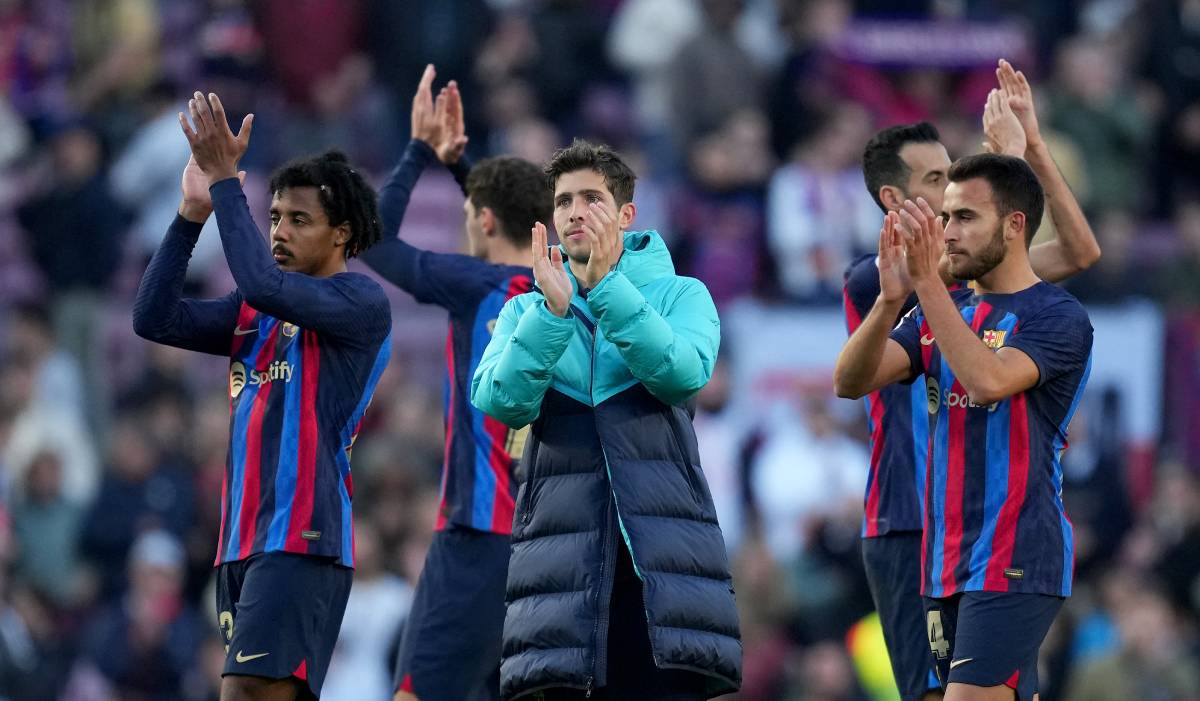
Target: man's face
476 240
928 163
974 230
302 240
573 193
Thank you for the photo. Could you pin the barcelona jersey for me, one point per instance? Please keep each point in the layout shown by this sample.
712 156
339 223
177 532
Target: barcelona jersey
994 517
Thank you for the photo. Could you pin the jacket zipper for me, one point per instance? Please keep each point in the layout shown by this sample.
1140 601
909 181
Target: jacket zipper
603 605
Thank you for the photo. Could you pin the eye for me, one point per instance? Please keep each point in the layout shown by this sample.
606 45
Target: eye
563 202
274 220
593 198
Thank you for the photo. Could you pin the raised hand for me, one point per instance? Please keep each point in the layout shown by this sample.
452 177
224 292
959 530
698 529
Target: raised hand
196 205
923 250
603 230
453 130
549 273
426 125
1001 127
1020 98
215 148
894 283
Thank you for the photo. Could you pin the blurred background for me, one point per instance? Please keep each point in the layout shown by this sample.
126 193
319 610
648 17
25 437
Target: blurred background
745 120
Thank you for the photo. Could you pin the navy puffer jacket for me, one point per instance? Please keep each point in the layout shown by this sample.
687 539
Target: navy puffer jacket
611 454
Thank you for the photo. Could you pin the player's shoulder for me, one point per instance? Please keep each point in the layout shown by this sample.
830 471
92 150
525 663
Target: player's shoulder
362 289
865 263
1048 298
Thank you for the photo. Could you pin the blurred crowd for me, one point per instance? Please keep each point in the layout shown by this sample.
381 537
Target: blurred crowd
745 120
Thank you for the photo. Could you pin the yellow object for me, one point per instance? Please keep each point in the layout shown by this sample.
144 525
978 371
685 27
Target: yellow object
864 641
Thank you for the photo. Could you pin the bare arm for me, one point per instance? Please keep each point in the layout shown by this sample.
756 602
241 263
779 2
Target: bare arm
1075 249
870 360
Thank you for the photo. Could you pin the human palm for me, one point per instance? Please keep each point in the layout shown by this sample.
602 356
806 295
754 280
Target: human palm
550 274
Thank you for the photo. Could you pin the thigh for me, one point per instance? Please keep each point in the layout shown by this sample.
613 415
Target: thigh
893 567
997 638
286 619
451 645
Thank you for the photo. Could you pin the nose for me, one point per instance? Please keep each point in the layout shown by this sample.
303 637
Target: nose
579 208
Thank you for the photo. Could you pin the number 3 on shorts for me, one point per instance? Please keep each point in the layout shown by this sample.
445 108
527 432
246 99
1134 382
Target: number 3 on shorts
225 621
937 635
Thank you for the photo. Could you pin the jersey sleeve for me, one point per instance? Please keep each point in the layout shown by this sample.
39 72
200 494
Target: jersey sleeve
908 334
1058 339
349 306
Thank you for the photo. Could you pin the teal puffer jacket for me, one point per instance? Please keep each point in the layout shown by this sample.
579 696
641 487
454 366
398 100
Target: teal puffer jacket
611 452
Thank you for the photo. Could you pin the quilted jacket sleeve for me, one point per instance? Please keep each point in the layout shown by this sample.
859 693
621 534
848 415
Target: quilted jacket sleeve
518 363
673 352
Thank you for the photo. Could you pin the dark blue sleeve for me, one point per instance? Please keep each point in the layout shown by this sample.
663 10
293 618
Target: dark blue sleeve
1058 339
162 315
908 334
460 170
455 282
349 306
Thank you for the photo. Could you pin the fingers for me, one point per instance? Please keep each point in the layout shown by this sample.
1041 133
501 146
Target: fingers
539 241
241 177
203 111
243 135
218 112
425 87
556 259
927 210
188 133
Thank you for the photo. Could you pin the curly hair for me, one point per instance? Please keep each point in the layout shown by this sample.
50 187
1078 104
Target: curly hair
344 194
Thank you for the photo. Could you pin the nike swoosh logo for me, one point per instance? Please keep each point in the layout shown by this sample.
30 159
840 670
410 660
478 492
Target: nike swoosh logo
237 331
246 658
927 340
964 660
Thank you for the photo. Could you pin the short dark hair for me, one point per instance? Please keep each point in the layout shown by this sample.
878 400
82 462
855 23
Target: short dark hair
344 194
515 190
881 162
581 155
1015 187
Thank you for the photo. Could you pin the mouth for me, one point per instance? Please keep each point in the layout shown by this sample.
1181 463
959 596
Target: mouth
575 235
280 253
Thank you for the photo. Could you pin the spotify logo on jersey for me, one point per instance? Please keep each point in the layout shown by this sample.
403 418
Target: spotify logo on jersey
237 379
933 395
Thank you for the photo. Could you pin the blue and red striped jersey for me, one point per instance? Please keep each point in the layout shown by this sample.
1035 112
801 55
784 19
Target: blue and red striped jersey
296 404
305 355
896 476
994 517
478 484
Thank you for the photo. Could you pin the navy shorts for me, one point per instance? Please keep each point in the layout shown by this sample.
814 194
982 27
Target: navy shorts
450 648
280 614
893 565
990 638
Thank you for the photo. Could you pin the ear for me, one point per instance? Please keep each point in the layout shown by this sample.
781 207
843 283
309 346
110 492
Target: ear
626 215
1016 227
487 221
341 234
891 197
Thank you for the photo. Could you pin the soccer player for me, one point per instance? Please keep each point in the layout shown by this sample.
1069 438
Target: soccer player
450 650
618 585
906 162
307 342
1005 365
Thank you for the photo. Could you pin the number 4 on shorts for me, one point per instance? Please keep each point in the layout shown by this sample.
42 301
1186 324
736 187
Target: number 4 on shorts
937 635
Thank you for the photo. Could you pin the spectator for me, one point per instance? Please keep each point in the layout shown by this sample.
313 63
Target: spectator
47 529
145 641
74 229
819 215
